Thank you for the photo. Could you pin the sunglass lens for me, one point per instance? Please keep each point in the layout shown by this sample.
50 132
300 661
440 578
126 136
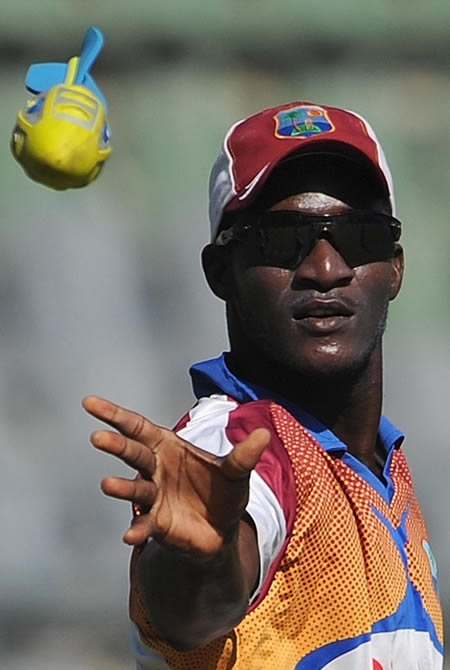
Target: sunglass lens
284 245
362 243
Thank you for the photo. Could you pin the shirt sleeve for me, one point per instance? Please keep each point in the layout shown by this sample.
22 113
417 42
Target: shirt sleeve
215 425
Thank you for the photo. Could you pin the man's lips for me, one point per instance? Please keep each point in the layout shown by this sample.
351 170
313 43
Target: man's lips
320 309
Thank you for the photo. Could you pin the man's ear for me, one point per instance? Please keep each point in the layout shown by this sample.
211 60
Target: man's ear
398 267
216 262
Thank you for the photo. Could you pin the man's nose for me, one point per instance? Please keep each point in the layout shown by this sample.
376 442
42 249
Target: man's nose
323 268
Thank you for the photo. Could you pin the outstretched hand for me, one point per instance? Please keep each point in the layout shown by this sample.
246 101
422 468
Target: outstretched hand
190 500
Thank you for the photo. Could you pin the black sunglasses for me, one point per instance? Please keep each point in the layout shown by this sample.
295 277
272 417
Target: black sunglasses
283 238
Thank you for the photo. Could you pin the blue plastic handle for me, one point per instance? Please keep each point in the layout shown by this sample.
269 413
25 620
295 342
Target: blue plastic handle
92 45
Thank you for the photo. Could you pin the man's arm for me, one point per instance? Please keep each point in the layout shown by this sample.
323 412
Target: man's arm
191 600
198 571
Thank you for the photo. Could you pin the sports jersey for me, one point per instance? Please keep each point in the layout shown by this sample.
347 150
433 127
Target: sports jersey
347 577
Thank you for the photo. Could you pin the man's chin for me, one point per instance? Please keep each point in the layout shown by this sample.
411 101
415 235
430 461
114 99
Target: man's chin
332 367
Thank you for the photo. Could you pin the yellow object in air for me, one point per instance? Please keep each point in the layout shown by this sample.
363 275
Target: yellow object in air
61 137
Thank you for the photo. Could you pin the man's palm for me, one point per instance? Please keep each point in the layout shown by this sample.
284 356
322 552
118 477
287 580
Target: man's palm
187 498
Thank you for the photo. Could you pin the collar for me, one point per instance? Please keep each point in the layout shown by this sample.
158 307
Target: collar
214 376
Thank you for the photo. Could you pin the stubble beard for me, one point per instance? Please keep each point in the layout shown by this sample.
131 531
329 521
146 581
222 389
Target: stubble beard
334 373
265 362
330 373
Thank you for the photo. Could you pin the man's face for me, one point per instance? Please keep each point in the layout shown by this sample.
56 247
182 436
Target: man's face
322 318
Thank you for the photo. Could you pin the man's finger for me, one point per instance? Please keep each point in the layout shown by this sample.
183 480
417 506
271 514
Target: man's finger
246 454
132 453
124 420
137 491
139 531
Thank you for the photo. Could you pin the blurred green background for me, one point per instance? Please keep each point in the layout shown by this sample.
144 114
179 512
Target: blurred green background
101 289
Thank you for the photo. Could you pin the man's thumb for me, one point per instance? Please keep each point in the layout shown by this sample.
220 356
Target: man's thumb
246 454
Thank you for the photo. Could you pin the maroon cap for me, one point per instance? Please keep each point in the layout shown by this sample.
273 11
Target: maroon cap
254 146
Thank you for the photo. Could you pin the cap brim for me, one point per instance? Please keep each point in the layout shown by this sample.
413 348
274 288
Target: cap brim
331 147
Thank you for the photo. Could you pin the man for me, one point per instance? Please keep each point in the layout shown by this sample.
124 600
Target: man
277 526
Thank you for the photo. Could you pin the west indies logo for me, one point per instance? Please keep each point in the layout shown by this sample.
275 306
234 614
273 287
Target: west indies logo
303 121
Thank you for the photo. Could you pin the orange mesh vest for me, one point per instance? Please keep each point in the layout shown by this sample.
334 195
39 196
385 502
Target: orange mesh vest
352 564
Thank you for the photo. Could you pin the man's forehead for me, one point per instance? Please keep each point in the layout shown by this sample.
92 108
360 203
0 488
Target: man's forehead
312 201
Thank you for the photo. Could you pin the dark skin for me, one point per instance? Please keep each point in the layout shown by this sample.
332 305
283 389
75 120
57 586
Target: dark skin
204 555
332 365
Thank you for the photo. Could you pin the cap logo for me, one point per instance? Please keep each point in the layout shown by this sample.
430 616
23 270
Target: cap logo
301 122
